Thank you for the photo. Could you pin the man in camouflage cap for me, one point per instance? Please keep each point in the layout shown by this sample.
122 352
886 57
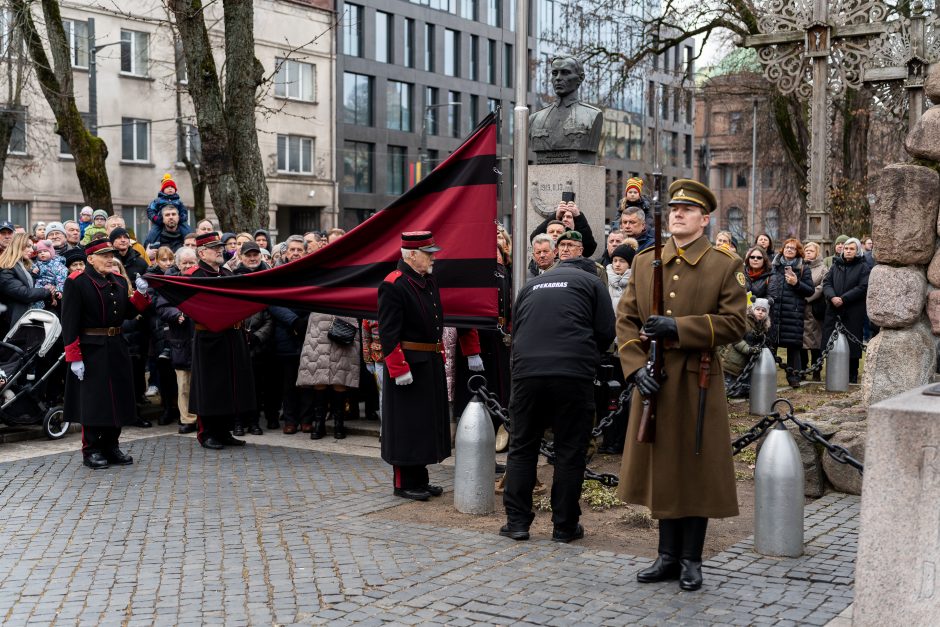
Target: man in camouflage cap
704 307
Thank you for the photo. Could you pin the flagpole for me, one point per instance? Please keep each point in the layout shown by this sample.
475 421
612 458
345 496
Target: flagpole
520 149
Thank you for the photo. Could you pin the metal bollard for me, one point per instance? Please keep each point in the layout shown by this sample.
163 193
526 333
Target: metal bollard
763 384
475 463
837 365
778 496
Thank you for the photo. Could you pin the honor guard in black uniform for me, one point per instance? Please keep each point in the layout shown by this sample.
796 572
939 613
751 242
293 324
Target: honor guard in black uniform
99 390
222 385
416 426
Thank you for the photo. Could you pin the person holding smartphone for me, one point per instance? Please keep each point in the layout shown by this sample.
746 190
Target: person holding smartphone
789 285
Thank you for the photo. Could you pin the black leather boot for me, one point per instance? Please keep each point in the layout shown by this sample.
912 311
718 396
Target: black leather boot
690 562
666 566
339 415
319 415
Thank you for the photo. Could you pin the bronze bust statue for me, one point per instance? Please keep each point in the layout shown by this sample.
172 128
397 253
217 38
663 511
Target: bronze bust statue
567 131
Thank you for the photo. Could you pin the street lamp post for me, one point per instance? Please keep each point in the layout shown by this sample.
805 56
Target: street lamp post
423 149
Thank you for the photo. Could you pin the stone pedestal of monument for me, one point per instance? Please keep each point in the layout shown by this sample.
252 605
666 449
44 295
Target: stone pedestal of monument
897 574
547 182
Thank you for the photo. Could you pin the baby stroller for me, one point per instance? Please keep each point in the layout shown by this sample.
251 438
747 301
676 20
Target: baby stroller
25 372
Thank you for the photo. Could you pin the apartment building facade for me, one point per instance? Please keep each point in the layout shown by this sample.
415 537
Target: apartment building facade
146 118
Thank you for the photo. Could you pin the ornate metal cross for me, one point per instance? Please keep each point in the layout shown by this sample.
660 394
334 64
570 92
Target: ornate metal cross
903 54
816 49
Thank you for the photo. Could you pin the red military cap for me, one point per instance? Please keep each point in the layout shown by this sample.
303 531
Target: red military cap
419 240
99 246
209 240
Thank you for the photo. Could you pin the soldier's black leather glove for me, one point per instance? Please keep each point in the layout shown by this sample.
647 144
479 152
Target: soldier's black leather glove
299 326
645 382
660 328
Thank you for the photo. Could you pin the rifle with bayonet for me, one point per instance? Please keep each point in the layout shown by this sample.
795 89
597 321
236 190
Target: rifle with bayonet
646 432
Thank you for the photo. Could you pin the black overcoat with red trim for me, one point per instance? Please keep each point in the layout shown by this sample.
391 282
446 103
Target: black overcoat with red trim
222 382
105 397
415 420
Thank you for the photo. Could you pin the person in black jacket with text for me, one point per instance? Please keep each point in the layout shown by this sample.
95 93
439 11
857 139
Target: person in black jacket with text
562 322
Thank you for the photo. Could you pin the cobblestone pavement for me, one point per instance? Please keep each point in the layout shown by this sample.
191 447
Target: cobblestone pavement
266 535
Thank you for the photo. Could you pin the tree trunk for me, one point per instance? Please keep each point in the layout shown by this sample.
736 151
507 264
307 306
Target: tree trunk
243 75
856 122
788 114
89 152
217 164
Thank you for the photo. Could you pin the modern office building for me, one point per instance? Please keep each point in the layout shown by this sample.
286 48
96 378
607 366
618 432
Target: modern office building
413 78
145 116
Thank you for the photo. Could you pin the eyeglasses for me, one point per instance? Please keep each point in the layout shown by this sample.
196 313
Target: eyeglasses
758 257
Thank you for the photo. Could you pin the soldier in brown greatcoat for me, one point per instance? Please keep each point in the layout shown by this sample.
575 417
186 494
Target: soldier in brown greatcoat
705 302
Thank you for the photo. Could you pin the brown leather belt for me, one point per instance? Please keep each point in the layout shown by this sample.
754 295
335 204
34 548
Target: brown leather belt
427 347
202 327
109 331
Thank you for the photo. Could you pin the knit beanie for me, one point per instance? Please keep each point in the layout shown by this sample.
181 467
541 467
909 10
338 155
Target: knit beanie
167 181
634 182
99 213
55 226
44 244
841 239
761 303
118 232
625 252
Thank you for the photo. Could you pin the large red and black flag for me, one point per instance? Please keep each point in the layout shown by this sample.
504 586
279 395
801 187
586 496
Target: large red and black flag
456 201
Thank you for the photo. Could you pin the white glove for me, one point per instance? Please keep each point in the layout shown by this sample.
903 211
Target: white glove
78 369
404 379
142 285
475 363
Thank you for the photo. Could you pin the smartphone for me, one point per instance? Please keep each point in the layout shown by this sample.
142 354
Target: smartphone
567 197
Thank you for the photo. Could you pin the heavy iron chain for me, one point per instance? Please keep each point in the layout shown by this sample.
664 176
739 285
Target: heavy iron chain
477 385
744 379
839 328
808 431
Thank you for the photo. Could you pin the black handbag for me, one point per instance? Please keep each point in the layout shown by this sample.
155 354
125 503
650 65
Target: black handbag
341 332
818 308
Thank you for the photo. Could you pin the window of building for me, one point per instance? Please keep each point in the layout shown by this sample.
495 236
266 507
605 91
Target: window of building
295 80
69 211
357 99
352 31
303 219
741 179
135 54
190 145
736 223
409 43
182 73
772 222
512 15
491 61
688 151
727 176
354 217
768 175
398 102
451 52
76 34
397 170
474 66
384 36
15 212
357 167
491 105
689 64
429 47
507 65
6 30
453 113
664 113
473 111
651 99
494 13
64 148
135 140
734 123
135 218
17 144
433 158
431 109
469 9
295 154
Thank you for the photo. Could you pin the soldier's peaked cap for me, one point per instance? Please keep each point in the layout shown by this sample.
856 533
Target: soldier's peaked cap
99 247
689 192
419 240
209 240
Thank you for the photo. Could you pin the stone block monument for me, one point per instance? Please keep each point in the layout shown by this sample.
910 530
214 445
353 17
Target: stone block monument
897 580
565 137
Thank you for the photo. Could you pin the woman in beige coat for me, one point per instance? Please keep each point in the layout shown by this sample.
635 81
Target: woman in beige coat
812 327
326 364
